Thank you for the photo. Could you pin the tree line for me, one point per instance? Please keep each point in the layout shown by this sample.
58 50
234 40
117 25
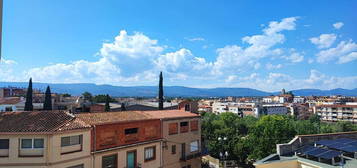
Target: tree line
249 139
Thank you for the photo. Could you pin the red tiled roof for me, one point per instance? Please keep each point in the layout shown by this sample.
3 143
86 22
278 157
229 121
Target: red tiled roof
337 105
124 116
41 121
111 117
167 114
10 100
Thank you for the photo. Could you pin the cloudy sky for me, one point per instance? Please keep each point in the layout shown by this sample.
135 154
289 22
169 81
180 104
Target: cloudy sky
231 43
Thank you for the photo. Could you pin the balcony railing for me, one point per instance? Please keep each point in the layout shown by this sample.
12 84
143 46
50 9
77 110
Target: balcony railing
191 156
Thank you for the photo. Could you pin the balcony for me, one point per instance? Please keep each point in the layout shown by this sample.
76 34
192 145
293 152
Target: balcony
191 156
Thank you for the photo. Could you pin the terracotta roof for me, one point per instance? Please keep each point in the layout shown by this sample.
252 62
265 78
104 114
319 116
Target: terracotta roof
41 121
10 100
168 114
111 117
124 116
337 105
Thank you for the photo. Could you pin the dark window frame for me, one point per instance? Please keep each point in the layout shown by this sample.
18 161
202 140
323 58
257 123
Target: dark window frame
115 161
173 149
129 131
6 146
154 153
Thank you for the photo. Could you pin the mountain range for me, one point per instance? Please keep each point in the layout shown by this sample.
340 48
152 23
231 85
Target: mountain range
170 91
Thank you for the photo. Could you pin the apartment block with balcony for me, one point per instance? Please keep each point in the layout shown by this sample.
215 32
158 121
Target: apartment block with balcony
337 112
43 139
181 132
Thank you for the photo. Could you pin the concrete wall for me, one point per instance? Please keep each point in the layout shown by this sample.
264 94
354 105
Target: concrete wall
173 160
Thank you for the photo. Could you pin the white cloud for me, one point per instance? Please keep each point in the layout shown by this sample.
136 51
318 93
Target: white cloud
294 57
270 66
7 70
231 78
344 52
338 25
234 57
195 39
324 40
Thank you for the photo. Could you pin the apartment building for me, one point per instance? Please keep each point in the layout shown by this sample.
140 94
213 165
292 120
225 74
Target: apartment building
337 112
269 109
43 139
181 133
128 139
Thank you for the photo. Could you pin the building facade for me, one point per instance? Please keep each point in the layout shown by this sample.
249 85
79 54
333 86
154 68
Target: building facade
337 112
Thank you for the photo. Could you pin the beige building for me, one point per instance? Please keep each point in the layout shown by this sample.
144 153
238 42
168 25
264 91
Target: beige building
43 140
337 112
181 133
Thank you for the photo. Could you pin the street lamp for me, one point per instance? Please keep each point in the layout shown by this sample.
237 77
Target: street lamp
223 154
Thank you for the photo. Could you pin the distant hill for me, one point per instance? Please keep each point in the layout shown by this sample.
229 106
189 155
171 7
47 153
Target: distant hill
170 91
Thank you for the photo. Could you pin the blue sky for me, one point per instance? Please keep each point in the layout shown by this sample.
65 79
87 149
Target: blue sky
232 43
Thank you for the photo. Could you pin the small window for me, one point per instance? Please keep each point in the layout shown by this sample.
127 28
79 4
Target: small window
32 143
187 107
173 149
173 128
131 131
194 146
149 153
71 140
26 143
184 124
4 143
38 143
110 161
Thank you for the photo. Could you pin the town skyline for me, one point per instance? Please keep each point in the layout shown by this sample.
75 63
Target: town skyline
286 48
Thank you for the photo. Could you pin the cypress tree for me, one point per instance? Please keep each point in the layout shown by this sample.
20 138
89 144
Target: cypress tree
28 103
122 107
47 105
107 106
161 93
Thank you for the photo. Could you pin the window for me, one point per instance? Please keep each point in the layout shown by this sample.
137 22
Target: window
184 124
110 161
149 153
173 149
173 128
71 140
77 166
183 127
32 143
131 131
194 146
187 107
4 143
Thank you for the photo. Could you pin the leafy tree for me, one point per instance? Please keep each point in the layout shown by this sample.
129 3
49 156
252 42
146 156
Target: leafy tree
269 131
122 107
28 103
87 96
47 105
102 99
161 93
66 95
107 106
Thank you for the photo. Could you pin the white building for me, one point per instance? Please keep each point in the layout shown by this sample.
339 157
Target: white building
269 109
299 100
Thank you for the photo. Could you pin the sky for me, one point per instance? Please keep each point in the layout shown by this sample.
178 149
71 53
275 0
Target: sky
265 45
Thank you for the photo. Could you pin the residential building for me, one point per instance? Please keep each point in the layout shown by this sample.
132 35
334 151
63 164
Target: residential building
128 139
269 109
181 132
337 112
299 100
43 139
332 150
220 107
9 103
